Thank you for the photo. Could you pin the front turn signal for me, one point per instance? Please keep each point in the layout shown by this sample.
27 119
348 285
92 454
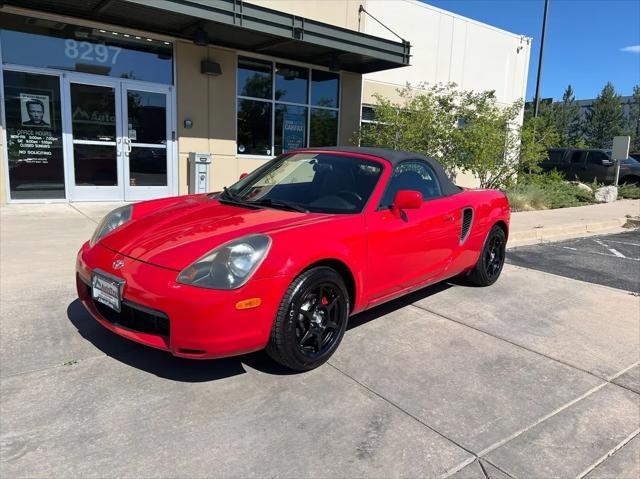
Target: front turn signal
249 303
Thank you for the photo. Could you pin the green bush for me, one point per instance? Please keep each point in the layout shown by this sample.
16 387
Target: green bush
630 192
546 191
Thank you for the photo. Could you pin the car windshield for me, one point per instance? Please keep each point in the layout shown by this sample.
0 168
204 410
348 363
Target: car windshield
314 182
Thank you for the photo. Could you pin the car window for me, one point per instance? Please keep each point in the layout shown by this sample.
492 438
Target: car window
576 157
318 182
415 176
597 157
555 156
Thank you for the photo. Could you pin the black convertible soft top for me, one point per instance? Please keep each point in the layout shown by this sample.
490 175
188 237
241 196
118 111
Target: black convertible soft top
394 157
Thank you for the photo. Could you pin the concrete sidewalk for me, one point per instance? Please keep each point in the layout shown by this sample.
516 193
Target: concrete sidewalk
530 227
537 376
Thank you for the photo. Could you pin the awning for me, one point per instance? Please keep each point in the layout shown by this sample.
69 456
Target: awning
243 26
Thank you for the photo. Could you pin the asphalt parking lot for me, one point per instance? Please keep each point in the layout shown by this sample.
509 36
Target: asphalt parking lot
534 377
611 260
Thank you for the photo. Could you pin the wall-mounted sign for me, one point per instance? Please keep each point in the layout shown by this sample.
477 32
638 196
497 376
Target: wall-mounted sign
293 132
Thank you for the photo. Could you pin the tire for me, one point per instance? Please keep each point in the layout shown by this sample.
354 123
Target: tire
491 260
311 320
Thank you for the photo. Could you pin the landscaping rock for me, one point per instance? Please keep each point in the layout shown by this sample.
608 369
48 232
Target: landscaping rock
582 186
606 194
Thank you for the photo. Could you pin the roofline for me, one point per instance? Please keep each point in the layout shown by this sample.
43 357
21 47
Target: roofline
471 20
272 32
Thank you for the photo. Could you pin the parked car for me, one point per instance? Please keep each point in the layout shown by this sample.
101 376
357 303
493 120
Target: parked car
283 257
635 155
587 165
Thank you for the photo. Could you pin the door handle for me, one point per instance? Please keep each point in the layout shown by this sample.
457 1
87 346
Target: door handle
448 218
118 149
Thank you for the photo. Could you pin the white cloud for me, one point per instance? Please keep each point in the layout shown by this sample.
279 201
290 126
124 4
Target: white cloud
631 49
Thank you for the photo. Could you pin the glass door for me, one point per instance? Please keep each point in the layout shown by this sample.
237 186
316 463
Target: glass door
146 140
95 159
34 132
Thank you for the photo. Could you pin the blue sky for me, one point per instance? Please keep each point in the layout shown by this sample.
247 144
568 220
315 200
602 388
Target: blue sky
583 45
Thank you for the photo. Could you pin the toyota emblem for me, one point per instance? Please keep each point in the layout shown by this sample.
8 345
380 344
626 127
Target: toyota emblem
117 264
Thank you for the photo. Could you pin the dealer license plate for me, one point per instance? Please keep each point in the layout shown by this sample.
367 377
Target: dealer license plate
107 289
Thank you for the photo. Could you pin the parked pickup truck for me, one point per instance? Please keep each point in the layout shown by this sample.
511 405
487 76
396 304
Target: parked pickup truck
587 165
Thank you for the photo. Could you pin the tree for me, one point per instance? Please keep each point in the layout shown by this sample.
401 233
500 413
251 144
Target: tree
634 119
463 130
488 143
423 121
537 136
567 120
605 119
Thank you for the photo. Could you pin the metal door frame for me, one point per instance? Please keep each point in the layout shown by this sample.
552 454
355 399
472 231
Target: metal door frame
67 136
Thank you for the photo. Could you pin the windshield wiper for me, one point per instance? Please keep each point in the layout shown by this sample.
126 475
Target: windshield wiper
228 196
280 204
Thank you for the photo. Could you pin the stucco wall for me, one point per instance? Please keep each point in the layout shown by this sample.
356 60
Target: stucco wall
342 13
209 102
446 47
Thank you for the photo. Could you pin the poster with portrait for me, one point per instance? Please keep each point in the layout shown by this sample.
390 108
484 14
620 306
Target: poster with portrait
34 110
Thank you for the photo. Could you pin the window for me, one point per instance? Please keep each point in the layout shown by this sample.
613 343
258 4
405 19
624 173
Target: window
34 135
283 107
597 158
556 156
318 182
577 156
48 44
415 176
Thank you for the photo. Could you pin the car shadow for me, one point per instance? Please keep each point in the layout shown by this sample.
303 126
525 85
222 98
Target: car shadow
164 365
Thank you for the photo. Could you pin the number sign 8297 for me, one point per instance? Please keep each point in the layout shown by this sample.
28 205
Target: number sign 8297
91 52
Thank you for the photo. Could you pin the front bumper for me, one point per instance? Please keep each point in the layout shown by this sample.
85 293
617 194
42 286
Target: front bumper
184 320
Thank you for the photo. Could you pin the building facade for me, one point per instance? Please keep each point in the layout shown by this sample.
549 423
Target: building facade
104 100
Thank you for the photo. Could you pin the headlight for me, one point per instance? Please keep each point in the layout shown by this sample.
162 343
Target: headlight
117 217
228 266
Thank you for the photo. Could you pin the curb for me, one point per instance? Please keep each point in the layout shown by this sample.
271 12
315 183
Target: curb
542 234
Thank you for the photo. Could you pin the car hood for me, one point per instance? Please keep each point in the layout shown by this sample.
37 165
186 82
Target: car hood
175 236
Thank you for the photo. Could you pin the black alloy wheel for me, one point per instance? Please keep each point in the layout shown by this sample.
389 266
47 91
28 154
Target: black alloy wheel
319 319
491 260
311 320
494 256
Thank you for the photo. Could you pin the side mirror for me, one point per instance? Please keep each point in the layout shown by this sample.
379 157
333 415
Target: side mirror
406 200
243 175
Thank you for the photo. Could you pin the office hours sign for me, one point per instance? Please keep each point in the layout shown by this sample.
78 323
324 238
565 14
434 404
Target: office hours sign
31 137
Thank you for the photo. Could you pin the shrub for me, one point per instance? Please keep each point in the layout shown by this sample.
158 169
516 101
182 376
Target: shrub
546 191
630 192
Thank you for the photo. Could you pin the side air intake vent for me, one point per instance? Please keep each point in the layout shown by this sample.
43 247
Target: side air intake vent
467 220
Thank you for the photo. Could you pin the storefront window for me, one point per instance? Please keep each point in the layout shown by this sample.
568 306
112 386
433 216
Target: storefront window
254 78
34 136
293 113
324 89
324 127
89 50
254 127
292 83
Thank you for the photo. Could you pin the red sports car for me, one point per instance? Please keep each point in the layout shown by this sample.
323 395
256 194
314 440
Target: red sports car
283 257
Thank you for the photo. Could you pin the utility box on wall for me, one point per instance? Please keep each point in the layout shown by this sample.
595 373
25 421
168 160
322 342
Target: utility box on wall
199 167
